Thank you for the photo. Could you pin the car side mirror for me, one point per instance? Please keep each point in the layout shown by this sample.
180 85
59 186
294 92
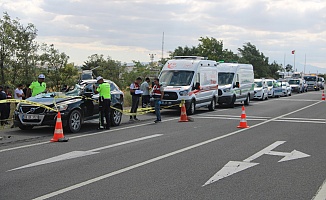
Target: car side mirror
197 86
237 85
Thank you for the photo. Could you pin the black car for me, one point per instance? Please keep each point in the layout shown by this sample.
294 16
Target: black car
76 106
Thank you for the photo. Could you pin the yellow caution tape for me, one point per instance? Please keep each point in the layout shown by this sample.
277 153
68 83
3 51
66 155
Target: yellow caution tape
28 102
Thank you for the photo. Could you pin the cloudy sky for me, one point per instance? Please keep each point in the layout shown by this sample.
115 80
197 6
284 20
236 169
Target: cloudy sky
129 30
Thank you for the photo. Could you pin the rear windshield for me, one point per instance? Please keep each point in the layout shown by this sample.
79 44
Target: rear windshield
293 82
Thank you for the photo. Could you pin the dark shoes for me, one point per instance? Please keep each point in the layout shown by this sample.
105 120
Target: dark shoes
157 121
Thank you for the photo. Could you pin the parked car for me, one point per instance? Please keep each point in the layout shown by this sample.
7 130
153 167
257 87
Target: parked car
261 89
321 82
286 88
297 85
270 84
76 106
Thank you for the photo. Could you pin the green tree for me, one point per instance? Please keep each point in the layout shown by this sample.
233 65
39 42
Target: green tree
54 61
289 68
250 54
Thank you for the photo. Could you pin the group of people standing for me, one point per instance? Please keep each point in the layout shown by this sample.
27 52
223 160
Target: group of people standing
145 91
20 93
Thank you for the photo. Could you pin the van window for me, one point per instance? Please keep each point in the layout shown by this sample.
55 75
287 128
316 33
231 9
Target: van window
225 78
208 77
176 78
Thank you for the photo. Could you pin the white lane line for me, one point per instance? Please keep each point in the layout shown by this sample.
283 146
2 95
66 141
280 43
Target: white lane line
87 135
90 181
321 193
300 100
305 119
227 118
78 154
298 121
236 116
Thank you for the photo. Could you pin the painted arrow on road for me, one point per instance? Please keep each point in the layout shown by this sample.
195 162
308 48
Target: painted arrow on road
233 167
77 154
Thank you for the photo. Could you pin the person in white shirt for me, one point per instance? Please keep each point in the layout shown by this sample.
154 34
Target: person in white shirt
19 94
145 96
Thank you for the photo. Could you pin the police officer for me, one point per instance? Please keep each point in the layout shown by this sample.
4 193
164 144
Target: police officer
105 102
135 95
157 94
37 87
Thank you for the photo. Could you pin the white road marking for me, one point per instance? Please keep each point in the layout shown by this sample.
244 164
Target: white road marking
300 100
87 135
233 167
321 193
77 154
90 181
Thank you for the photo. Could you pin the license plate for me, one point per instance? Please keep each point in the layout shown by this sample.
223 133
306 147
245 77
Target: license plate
30 117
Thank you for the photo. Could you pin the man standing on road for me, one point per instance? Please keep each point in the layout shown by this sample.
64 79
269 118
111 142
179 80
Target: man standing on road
19 94
145 96
135 95
3 106
157 93
105 102
37 87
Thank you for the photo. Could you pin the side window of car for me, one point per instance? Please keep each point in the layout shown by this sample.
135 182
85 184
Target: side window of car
89 88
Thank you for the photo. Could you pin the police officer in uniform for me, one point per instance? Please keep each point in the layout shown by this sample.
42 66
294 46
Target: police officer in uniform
105 102
37 87
157 94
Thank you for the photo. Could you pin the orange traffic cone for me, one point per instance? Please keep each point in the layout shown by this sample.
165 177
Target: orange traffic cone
183 115
323 96
243 121
58 131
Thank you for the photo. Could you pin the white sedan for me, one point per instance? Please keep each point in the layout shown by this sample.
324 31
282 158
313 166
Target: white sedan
286 88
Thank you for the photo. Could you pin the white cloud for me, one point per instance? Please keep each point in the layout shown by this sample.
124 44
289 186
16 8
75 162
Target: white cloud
130 30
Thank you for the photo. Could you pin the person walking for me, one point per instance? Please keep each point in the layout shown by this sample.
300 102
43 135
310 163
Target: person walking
157 94
135 95
3 106
37 87
19 94
145 96
104 90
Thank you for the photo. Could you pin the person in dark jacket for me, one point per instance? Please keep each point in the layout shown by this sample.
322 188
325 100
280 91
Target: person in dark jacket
135 95
3 106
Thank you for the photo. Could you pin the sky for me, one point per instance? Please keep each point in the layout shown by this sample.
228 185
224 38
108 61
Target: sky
128 30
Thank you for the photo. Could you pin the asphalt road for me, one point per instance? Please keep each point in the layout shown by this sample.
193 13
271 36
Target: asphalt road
280 156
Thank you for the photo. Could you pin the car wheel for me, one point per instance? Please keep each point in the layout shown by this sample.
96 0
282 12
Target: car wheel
192 108
266 98
290 93
116 116
211 106
23 127
247 101
273 95
74 121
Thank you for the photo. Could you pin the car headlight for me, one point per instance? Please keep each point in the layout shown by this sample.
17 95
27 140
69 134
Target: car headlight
183 93
226 90
62 107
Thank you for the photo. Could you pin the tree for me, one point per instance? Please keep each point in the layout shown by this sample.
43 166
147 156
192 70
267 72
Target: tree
54 61
289 68
17 50
250 54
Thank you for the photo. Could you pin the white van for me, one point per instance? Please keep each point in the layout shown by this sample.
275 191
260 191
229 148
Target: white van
236 83
192 79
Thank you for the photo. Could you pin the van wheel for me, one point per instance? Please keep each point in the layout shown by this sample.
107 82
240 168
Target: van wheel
211 106
247 101
232 102
192 108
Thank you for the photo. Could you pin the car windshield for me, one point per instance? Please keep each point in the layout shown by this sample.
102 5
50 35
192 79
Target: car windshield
310 78
270 83
284 84
50 95
294 82
258 84
76 91
225 78
176 78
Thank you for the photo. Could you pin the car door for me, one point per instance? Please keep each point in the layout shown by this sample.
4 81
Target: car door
91 100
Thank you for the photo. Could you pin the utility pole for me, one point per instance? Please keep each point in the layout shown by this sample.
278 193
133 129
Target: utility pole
162 46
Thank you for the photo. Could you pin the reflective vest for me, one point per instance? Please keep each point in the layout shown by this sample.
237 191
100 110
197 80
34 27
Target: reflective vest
157 91
104 90
37 87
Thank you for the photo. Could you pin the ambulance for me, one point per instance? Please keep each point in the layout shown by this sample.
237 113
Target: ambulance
236 83
190 78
